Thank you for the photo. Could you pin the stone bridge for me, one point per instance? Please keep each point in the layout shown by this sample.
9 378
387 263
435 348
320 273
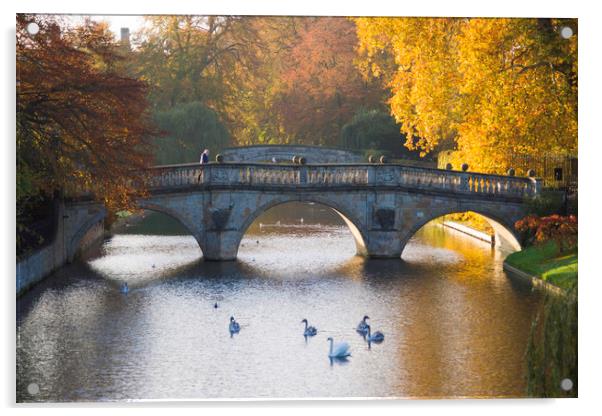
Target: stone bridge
383 204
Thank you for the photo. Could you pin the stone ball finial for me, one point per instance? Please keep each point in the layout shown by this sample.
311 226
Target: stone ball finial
371 159
531 173
464 167
511 172
219 158
449 166
302 160
383 159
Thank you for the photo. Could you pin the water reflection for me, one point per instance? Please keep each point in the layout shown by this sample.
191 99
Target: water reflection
455 325
338 360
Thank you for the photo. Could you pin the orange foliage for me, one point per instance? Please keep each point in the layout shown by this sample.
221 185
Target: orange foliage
561 230
80 123
322 88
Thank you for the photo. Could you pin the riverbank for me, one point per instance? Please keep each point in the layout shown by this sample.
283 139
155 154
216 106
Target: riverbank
471 231
544 263
471 220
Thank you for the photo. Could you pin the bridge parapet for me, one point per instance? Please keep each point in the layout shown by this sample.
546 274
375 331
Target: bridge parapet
173 177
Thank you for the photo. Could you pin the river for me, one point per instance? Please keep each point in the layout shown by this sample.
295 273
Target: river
455 325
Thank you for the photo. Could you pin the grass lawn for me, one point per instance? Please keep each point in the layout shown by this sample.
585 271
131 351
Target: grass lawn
545 262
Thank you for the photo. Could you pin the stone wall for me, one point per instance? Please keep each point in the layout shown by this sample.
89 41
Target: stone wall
42 263
92 238
37 266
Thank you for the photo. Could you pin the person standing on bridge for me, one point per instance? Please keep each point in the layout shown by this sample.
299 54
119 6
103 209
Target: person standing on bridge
204 160
204 157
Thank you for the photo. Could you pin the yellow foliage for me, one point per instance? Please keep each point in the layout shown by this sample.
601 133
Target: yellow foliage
488 87
473 220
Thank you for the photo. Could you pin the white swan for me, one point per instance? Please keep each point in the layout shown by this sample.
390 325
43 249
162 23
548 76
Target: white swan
362 327
376 337
124 288
234 326
340 350
310 331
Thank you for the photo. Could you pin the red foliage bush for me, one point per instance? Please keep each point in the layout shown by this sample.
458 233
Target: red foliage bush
562 230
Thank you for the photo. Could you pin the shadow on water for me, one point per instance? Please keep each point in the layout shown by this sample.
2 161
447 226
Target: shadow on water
519 284
81 274
215 270
76 274
363 268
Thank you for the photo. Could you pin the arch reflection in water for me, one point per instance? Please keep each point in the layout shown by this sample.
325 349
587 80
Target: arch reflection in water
284 217
455 325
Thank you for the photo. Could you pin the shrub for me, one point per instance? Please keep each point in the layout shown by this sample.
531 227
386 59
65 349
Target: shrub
561 230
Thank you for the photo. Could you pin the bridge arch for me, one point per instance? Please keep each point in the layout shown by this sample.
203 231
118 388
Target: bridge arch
76 238
358 230
83 228
505 233
182 219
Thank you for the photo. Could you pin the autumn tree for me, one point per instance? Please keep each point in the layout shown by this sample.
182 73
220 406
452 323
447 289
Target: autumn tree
80 124
488 87
322 88
193 58
228 66
269 79
200 59
250 107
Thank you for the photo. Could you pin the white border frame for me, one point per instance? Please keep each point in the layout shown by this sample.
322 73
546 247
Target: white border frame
590 152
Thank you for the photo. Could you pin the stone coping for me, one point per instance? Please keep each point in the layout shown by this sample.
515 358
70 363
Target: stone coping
536 281
276 166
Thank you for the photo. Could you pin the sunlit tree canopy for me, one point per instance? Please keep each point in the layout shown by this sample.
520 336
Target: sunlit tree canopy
488 87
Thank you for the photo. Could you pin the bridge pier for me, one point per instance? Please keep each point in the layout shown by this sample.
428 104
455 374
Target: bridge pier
383 245
220 245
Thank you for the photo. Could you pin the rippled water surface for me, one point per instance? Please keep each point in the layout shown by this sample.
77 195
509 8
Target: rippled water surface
454 323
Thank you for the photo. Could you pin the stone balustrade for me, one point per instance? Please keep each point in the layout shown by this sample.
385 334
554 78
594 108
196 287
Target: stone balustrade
172 177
